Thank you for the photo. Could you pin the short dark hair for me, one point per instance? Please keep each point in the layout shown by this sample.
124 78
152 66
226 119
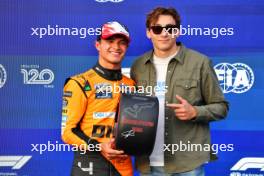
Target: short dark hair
153 16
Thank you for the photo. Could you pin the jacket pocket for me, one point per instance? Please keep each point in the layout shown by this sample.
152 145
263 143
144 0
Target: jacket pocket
186 83
187 89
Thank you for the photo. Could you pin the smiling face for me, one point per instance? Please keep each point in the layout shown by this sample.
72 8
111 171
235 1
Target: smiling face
111 51
163 42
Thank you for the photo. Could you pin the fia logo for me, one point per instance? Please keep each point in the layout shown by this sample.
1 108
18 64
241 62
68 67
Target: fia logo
34 76
236 78
3 76
115 1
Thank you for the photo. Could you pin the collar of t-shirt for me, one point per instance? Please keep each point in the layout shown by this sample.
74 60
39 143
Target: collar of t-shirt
164 61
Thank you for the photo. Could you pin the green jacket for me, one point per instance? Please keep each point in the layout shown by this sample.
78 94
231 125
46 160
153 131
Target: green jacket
191 76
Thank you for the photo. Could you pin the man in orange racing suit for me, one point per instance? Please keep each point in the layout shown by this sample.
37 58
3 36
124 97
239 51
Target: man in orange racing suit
90 105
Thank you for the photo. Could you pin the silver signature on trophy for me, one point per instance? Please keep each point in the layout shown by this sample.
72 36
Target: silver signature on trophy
126 134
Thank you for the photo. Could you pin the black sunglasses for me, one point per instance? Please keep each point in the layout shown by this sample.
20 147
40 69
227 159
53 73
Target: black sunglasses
170 28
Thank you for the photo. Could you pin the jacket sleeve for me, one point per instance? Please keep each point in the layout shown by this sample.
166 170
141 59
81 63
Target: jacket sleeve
216 107
132 73
74 107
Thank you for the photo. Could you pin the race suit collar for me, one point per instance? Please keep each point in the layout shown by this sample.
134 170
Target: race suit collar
113 75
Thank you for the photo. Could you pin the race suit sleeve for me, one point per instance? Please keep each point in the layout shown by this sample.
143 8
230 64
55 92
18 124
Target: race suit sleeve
74 107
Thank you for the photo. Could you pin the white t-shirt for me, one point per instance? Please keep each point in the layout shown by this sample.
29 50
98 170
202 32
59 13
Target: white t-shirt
161 65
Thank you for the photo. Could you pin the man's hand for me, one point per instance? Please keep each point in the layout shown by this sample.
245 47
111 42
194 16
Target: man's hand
184 110
108 151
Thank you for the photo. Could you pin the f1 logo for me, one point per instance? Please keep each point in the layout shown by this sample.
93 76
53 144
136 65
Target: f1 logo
249 163
16 162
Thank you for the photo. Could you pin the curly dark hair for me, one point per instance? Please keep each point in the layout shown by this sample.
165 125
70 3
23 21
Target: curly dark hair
153 16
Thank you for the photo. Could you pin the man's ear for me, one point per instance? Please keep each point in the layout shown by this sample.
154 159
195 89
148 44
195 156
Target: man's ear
97 45
148 33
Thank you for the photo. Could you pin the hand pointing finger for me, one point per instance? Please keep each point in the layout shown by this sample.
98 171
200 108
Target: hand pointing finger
174 106
181 100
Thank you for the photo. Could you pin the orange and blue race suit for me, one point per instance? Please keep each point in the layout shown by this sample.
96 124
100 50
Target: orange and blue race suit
89 108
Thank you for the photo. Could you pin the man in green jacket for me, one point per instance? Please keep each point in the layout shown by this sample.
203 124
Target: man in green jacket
189 98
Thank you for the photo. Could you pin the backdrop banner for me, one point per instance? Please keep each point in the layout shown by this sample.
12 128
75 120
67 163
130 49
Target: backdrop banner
42 42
